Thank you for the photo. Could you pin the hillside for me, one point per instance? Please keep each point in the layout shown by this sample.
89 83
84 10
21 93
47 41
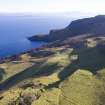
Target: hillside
56 76
88 26
65 72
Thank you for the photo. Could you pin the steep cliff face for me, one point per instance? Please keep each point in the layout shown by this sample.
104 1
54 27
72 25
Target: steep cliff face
92 26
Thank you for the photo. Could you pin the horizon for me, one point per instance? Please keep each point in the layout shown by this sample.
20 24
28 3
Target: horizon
73 14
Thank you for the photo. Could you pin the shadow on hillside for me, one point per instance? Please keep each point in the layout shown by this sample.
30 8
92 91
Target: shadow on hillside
29 73
66 72
2 73
91 59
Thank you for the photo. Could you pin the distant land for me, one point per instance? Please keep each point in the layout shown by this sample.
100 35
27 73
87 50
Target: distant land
89 26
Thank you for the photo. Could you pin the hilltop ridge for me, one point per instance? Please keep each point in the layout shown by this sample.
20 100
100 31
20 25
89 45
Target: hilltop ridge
87 26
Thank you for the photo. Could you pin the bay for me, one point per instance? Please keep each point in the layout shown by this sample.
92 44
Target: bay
14 30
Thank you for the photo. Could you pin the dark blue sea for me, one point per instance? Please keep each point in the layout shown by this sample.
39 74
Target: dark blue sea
14 30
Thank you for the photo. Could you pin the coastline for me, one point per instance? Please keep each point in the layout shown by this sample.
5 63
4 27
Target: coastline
17 56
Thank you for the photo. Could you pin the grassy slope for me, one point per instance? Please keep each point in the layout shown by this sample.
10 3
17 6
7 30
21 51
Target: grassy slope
28 71
81 77
83 88
86 85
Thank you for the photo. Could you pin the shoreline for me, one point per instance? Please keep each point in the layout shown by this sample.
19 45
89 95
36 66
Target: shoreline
15 57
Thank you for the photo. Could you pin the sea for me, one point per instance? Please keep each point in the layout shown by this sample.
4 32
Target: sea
15 28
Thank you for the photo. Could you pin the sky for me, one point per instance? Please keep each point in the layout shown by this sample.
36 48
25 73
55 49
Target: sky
86 6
